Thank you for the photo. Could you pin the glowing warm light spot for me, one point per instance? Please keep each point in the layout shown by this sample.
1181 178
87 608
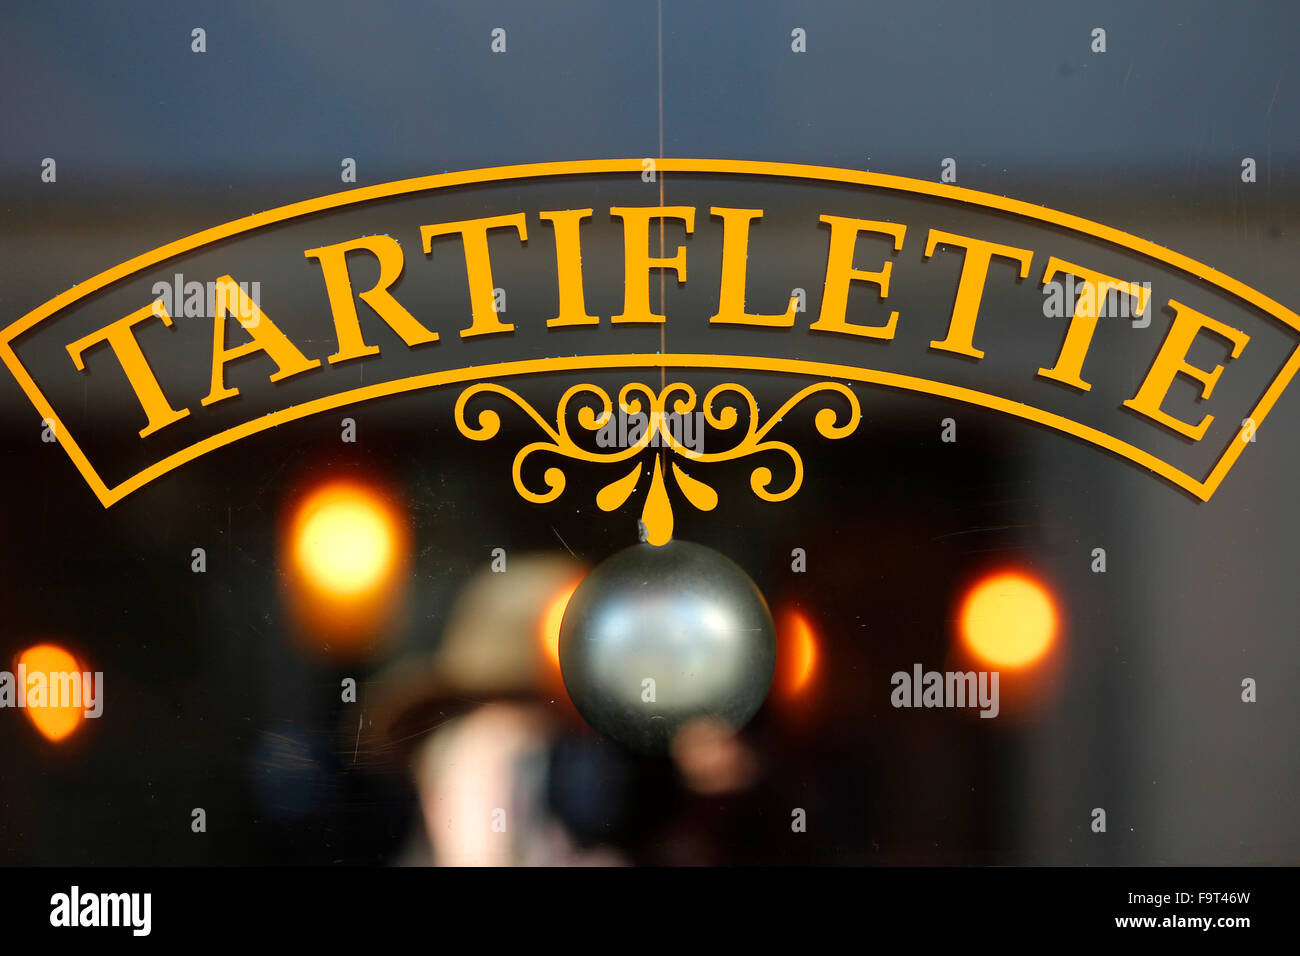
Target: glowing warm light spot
1008 620
796 654
345 547
53 717
345 540
802 648
552 617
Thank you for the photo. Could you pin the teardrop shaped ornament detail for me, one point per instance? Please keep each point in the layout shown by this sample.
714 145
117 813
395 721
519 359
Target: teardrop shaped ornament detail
657 515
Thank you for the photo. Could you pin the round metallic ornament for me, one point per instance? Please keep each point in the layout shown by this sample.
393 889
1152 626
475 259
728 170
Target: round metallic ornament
658 636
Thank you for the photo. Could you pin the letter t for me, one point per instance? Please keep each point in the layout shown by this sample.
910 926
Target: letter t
120 337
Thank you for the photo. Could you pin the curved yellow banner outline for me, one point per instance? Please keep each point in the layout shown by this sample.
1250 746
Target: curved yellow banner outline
1202 489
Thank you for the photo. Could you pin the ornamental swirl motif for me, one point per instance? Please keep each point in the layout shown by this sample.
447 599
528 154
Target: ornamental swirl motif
595 409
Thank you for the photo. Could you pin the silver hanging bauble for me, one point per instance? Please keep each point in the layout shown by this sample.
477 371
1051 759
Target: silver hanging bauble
658 636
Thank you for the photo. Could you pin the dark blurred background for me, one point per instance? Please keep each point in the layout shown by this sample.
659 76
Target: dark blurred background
210 701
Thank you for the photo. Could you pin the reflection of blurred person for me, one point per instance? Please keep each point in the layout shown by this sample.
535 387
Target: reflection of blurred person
482 783
478 717
506 772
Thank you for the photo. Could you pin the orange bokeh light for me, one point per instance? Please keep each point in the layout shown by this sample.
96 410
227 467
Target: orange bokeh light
552 618
345 539
346 551
54 721
1009 619
797 654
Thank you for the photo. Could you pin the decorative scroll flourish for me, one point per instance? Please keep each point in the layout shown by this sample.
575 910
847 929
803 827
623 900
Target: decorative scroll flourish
729 411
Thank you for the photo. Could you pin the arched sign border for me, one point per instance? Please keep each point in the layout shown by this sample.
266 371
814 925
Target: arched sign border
1202 488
